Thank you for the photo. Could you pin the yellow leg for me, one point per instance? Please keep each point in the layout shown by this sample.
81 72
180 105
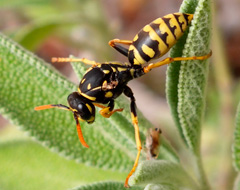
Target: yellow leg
66 59
128 92
106 112
168 60
139 148
115 44
114 41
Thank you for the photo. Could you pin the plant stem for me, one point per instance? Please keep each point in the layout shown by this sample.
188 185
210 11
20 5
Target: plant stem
202 179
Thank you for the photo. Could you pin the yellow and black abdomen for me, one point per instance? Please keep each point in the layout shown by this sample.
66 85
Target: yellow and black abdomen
156 38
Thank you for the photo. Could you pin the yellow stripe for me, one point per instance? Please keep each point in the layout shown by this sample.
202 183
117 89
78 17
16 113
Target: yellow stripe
121 69
97 88
131 47
138 59
147 28
109 94
135 38
83 80
162 47
163 27
132 72
89 69
106 71
190 17
114 70
182 20
89 107
86 96
92 118
173 22
115 63
89 97
148 51
89 86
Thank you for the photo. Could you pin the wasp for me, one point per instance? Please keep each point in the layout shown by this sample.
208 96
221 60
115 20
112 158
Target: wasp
104 82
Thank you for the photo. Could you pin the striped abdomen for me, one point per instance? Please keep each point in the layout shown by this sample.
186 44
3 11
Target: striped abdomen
156 38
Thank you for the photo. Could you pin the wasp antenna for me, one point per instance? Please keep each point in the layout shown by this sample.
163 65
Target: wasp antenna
65 59
44 107
61 59
54 59
49 106
79 131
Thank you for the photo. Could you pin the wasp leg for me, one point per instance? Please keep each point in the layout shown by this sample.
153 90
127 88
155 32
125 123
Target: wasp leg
67 59
79 131
128 92
120 48
107 111
168 60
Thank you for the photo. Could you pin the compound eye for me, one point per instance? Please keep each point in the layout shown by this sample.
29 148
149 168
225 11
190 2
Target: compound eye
80 107
84 112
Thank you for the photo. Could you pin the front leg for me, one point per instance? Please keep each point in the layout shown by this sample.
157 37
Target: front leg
108 111
128 92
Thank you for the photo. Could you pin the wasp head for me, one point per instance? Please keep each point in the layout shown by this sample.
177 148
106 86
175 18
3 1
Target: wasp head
82 107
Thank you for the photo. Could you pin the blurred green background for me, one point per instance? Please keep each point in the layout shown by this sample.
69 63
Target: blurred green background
52 28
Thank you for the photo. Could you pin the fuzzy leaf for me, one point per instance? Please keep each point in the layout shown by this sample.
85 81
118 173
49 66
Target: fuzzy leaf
106 186
160 187
186 82
236 145
163 173
27 81
166 151
37 168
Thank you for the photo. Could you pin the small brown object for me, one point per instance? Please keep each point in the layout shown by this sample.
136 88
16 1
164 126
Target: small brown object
153 143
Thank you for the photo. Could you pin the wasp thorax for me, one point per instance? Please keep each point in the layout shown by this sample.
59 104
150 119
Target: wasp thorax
83 107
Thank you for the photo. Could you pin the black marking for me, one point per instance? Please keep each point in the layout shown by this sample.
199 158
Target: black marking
94 77
163 36
145 39
186 18
131 57
179 23
172 29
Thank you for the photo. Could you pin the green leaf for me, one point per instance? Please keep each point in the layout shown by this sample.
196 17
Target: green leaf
186 81
106 186
236 145
37 168
162 173
27 81
166 151
160 187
